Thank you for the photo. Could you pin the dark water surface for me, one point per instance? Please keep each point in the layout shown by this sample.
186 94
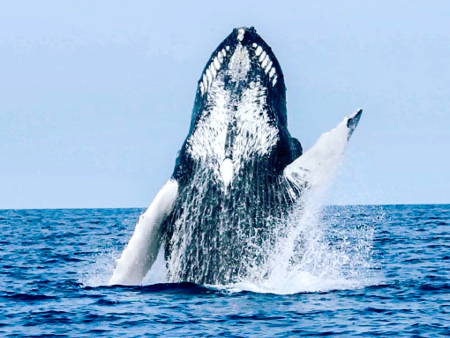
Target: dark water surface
53 264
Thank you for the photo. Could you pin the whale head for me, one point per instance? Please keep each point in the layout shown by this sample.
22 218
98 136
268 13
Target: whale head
239 113
242 61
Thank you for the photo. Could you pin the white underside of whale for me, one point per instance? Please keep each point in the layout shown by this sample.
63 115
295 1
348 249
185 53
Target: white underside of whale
142 249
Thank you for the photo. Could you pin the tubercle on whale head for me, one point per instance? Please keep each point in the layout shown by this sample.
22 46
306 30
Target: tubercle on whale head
262 65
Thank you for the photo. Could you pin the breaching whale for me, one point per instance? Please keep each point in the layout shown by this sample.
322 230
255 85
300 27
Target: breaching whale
238 175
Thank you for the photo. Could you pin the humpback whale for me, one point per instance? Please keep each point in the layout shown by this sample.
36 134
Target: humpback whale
238 176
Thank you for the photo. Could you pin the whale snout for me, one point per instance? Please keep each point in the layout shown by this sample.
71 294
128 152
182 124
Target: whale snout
243 57
244 35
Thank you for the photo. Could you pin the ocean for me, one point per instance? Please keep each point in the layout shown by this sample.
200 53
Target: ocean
365 271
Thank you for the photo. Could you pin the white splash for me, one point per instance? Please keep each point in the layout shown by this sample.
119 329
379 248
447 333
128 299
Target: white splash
321 265
100 270
309 261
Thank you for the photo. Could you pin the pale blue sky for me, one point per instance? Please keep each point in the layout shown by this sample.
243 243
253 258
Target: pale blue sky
96 98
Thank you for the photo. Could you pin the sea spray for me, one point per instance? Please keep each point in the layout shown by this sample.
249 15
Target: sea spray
320 252
99 272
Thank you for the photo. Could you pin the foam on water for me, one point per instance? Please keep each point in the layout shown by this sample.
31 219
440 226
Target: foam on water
99 273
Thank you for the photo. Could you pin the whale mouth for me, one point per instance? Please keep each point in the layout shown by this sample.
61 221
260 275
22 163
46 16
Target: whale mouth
240 58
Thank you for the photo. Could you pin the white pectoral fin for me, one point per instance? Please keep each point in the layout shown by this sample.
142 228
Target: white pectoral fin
322 159
143 247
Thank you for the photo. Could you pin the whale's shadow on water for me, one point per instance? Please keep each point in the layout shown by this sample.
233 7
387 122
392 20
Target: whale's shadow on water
169 288
193 289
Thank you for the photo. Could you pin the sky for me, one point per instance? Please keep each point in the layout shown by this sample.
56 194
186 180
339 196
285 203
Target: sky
96 97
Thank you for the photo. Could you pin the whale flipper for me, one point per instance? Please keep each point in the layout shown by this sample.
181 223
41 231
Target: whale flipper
143 247
322 158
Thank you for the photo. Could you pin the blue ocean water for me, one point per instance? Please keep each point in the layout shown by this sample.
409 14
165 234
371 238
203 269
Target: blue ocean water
376 271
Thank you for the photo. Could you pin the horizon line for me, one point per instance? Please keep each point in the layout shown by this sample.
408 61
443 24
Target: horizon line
326 205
